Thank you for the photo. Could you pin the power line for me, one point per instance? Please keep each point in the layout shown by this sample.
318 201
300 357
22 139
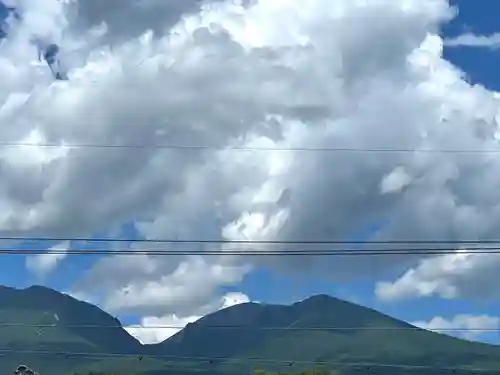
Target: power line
244 327
234 361
247 242
248 148
252 252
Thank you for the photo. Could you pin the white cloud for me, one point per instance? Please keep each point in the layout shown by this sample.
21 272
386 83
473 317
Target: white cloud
463 325
278 74
157 286
460 274
153 330
157 329
472 40
395 181
234 298
43 264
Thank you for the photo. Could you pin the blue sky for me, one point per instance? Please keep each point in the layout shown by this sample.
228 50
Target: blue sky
480 64
263 284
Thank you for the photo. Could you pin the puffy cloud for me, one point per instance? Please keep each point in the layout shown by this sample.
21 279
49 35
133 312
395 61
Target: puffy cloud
157 286
153 329
277 75
462 274
43 264
125 19
234 298
472 40
463 325
395 181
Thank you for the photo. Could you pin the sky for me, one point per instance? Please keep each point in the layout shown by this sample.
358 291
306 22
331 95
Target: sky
243 82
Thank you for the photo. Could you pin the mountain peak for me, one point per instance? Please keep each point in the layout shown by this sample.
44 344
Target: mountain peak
320 327
42 289
328 304
72 318
321 298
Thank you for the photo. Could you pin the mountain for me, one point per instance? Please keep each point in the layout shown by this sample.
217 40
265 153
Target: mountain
320 330
307 336
60 318
41 319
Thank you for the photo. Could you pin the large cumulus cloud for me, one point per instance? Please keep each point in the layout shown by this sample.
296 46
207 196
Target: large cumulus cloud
265 76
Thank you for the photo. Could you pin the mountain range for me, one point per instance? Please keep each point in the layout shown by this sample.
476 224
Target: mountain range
54 333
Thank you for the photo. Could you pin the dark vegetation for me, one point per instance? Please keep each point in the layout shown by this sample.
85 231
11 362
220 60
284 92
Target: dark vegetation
61 346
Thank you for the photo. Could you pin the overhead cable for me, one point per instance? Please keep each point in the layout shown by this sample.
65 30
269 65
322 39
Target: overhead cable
193 147
254 252
249 327
247 241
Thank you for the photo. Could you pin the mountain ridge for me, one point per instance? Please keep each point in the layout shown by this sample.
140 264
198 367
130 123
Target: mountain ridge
320 328
61 309
317 316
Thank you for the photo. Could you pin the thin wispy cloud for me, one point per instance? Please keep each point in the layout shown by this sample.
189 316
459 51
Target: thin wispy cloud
473 40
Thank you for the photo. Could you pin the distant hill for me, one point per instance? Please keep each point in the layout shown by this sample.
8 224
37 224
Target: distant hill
319 331
22 310
357 337
42 306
